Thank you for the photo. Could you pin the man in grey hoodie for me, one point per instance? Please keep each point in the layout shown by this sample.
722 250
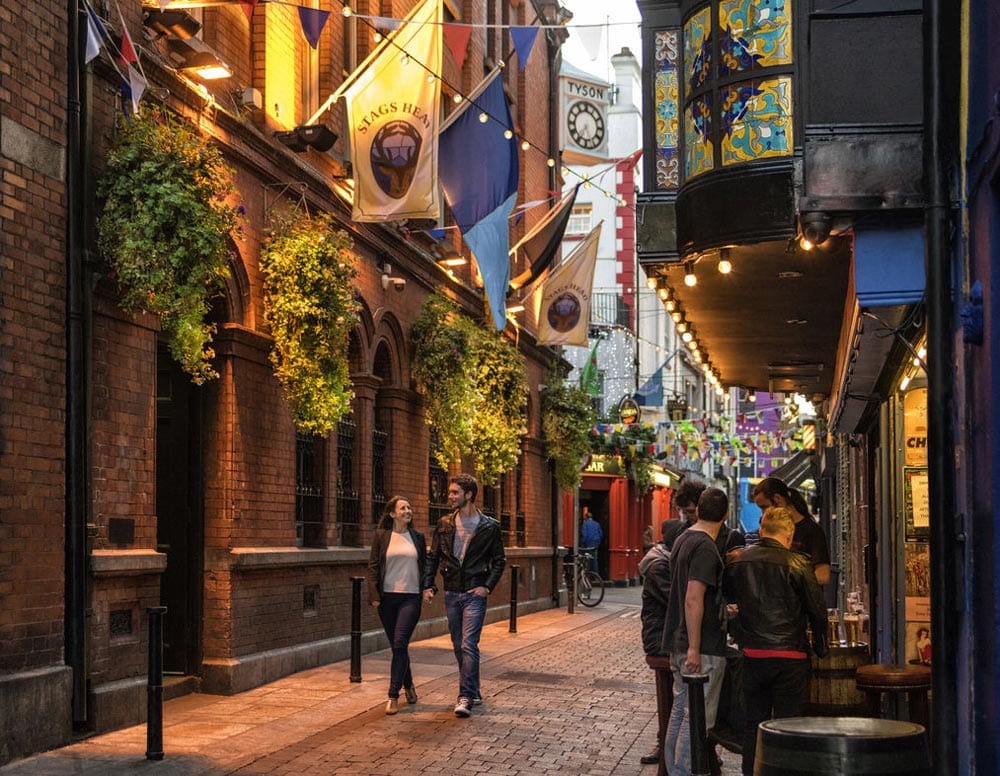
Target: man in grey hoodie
655 571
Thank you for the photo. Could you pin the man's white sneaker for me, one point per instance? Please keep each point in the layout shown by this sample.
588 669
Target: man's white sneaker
463 708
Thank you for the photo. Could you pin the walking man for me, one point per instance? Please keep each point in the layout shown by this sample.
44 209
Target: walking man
776 592
467 547
695 616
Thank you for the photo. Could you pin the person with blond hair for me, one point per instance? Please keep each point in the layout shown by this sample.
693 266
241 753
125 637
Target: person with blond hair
777 601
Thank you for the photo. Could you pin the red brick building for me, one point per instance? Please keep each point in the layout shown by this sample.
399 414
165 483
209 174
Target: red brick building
123 485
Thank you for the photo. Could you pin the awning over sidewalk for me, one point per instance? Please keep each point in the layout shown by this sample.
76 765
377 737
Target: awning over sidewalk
887 281
796 470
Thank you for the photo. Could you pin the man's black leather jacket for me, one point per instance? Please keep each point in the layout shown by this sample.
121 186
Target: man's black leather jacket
484 558
778 595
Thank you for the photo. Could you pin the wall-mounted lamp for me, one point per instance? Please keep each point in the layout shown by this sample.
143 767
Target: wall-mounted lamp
318 136
206 66
452 258
815 228
689 277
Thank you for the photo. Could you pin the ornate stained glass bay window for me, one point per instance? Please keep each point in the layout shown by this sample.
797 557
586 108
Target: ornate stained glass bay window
698 146
756 120
738 67
754 35
698 50
667 96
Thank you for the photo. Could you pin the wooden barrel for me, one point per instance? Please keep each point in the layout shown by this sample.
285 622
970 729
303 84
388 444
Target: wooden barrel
832 691
841 746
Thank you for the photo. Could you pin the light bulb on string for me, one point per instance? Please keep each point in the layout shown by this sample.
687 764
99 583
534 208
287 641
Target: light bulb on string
483 117
346 11
550 162
525 145
690 279
457 98
508 134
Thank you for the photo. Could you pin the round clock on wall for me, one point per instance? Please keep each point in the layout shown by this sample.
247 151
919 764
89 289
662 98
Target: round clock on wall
585 124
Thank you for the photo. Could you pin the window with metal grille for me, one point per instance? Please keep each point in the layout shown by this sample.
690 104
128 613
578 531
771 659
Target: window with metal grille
380 440
310 457
437 505
348 502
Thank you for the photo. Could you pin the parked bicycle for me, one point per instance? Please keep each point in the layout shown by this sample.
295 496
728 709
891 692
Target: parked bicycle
589 584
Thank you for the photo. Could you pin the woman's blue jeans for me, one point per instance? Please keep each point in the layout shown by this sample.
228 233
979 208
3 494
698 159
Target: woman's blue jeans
399 613
466 614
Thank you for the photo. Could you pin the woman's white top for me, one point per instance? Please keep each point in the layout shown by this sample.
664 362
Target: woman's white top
401 574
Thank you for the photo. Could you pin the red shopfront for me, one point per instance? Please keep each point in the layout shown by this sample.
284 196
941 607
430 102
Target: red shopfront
610 498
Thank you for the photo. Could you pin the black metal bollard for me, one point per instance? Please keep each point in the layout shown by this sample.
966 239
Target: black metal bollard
696 710
569 570
356 628
513 599
154 685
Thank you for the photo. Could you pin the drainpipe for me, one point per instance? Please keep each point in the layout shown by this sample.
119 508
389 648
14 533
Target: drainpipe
941 44
74 620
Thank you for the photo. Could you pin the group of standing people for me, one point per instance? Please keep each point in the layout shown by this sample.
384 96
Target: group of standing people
702 586
467 548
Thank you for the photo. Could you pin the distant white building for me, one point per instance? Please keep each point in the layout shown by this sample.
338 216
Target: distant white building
634 330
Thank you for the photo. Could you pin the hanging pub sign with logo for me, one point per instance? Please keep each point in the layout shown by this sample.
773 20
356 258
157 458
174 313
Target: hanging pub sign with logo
629 412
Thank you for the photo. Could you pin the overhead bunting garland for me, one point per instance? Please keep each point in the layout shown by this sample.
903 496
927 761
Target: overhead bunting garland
693 440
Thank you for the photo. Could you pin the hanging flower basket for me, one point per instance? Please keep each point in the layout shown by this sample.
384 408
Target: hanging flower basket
164 229
474 387
309 269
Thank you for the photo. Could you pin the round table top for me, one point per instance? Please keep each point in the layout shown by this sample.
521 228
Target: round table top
897 677
853 727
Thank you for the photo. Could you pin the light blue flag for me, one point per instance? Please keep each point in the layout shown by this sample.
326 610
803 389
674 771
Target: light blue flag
490 239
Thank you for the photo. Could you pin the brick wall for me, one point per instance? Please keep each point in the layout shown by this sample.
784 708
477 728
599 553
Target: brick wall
32 334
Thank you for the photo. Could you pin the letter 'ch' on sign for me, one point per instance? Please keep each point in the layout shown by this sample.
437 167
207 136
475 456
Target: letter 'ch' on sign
915 427
393 114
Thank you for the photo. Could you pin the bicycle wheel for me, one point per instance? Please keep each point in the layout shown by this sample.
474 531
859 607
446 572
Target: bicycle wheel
590 588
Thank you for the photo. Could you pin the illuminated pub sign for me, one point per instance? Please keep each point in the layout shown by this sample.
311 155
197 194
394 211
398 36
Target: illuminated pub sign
629 412
605 464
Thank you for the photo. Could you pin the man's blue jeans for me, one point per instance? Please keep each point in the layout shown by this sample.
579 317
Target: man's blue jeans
466 614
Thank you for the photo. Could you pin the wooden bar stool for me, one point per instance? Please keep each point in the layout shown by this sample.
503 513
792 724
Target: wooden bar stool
664 700
914 680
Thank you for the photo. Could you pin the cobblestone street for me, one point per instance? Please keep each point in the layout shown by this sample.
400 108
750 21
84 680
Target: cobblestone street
567 694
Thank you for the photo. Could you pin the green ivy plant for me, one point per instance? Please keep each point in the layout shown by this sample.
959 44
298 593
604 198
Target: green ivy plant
474 386
309 270
164 229
499 422
567 418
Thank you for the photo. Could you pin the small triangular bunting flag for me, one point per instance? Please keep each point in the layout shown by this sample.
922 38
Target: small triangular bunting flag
524 42
457 38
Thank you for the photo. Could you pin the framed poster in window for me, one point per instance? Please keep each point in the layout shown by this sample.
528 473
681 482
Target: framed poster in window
917 502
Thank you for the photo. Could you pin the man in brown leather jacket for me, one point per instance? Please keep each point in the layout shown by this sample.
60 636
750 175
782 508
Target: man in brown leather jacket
777 596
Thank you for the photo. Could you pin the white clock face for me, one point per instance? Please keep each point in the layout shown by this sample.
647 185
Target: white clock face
585 124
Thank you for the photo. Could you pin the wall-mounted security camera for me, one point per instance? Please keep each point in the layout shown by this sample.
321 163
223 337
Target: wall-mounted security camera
397 283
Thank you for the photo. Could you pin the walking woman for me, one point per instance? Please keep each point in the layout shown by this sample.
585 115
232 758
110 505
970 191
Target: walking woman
394 568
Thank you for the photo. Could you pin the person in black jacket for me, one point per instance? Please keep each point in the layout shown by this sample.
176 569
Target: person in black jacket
398 555
777 596
655 571
467 547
